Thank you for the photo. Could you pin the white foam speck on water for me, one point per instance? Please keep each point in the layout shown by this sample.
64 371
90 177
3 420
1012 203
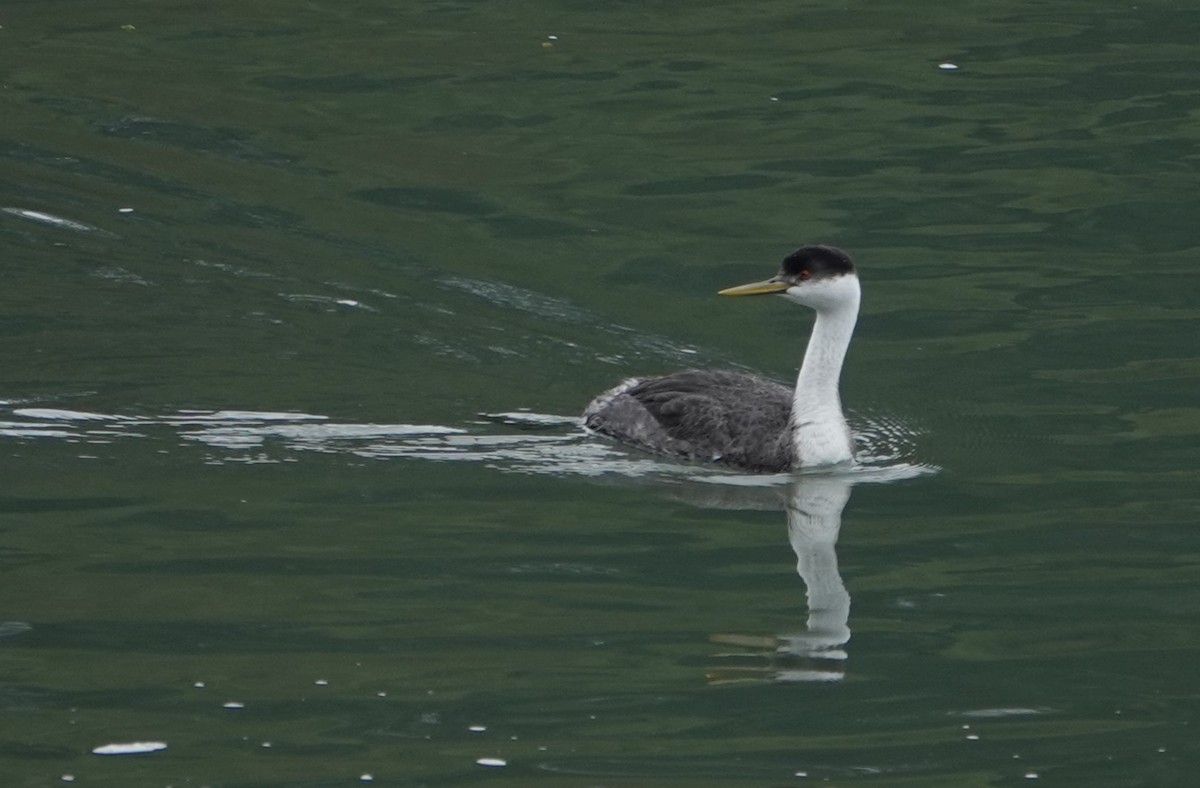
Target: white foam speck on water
494 762
130 748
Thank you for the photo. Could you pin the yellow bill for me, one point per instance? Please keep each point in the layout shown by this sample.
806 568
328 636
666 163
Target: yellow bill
756 288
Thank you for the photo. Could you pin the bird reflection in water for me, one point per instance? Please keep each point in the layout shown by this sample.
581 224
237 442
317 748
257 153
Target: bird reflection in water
814 507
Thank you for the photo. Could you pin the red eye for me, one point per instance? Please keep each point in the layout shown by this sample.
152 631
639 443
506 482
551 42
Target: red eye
804 274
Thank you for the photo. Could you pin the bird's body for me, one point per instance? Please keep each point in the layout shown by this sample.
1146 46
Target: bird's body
697 414
742 420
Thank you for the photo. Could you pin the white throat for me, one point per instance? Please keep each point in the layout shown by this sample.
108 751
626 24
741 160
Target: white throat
820 434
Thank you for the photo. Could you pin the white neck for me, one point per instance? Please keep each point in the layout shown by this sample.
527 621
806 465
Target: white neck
820 435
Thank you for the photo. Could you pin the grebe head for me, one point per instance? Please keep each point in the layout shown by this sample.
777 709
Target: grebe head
819 277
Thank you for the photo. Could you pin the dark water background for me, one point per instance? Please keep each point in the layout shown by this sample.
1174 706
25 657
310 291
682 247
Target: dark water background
263 266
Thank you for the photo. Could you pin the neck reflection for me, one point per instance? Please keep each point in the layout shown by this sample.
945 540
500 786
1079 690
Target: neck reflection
814 507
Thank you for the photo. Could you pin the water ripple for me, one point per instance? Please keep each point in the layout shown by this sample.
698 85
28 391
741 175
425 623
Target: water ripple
531 443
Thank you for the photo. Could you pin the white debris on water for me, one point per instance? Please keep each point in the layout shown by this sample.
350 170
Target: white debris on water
130 748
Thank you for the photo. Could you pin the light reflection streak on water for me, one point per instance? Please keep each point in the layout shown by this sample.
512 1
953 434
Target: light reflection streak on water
535 443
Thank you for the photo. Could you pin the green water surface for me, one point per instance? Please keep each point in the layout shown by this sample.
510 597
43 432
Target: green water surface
264 265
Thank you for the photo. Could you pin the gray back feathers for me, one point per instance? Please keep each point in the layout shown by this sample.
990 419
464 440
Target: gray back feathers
732 418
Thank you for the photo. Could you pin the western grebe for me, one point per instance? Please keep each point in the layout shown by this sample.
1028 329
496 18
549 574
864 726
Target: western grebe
743 420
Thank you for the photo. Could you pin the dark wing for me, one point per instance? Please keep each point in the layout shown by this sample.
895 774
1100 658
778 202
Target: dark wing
728 417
